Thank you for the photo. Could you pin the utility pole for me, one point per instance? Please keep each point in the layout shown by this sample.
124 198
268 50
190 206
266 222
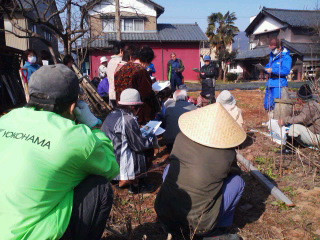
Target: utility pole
117 21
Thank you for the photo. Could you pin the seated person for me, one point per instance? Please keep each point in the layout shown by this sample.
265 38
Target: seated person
202 187
229 103
305 128
174 110
54 172
133 151
189 99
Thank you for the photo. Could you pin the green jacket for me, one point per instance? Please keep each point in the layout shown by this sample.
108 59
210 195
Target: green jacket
43 158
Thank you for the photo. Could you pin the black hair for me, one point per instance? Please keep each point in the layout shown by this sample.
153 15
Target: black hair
165 94
56 108
130 52
146 54
67 59
29 51
117 47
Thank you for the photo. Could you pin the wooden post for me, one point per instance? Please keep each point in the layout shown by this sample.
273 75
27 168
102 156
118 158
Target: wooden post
118 21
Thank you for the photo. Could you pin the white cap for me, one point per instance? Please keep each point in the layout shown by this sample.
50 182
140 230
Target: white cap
103 59
226 98
130 96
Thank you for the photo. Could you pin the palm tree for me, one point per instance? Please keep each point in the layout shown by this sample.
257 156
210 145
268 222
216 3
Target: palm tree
221 31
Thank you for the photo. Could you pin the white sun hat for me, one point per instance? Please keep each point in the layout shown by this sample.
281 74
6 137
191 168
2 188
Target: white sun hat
159 86
226 99
130 96
103 59
212 126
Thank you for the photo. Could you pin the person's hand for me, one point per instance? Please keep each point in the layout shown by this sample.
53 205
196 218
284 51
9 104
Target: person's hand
202 73
269 70
84 115
280 122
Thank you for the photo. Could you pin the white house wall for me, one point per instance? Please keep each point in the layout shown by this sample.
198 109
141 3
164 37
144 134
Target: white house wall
267 24
132 6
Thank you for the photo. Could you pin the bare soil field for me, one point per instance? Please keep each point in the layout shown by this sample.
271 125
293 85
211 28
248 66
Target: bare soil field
259 215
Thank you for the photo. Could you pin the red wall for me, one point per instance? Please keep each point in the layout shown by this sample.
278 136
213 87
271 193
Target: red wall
189 53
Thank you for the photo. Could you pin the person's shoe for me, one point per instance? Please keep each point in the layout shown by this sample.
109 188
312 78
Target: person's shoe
228 236
142 188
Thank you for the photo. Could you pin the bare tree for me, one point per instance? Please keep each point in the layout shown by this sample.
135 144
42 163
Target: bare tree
66 19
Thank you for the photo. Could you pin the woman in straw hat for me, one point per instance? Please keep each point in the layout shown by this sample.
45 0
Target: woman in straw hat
229 103
133 151
203 186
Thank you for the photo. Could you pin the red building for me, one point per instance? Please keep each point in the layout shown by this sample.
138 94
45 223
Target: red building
139 26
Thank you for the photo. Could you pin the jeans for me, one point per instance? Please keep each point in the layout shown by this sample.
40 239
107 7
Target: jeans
92 204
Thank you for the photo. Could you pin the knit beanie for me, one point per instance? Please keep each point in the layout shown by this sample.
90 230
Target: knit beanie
305 92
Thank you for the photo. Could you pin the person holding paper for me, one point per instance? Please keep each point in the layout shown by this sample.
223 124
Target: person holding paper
278 68
133 151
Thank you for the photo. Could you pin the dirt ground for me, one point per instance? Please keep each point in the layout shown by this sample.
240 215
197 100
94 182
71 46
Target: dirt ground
259 215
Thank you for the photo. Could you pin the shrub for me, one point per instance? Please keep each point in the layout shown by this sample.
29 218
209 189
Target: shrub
231 76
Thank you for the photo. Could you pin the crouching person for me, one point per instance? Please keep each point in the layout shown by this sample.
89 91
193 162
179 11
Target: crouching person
54 172
133 151
305 128
202 186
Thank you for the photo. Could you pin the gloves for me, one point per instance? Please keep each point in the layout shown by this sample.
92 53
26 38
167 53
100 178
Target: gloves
84 115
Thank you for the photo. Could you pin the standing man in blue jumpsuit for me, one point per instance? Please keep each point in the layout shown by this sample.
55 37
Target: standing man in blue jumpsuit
175 69
278 68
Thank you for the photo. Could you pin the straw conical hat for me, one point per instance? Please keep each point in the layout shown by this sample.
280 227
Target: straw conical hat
212 126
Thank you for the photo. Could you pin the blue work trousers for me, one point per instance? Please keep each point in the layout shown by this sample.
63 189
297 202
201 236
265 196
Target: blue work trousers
232 190
271 94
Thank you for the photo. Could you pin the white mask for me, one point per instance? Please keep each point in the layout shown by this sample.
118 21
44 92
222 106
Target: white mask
32 59
275 51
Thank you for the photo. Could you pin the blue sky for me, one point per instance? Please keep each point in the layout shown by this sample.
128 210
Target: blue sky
191 11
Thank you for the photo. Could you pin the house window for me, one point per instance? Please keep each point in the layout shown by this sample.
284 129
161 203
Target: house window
127 25
108 25
132 25
8 25
34 28
47 36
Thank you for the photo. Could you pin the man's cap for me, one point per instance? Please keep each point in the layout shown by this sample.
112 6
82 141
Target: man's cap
206 58
305 92
103 59
130 96
212 126
53 84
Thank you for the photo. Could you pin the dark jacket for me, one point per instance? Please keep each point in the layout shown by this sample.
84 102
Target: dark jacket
175 71
210 71
208 80
172 114
191 194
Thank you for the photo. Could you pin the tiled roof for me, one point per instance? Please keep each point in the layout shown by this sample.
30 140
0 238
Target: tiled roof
258 52
293 18
296 18
165 33
303 48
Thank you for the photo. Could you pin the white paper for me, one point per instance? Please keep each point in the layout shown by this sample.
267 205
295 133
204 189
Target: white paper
150 128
